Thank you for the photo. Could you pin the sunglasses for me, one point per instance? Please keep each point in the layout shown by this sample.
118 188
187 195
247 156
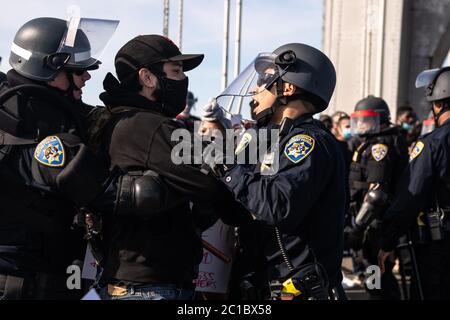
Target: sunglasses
77 72
265 78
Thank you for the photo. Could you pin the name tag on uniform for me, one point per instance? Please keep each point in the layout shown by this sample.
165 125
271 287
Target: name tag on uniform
269 164
269 158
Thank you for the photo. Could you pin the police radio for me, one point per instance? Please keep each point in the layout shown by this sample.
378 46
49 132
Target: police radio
305 282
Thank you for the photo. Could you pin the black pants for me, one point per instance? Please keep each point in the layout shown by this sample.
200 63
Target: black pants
433 262
389 285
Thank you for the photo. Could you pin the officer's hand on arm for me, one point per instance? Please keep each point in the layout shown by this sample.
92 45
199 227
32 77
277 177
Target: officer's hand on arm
214 125
168 161
382 256
214 161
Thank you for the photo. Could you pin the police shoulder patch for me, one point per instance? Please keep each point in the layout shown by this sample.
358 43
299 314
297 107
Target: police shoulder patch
418 147
299 147
379 151
50 152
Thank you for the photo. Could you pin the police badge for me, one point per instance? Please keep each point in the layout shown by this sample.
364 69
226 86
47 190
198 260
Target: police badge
379 151
416 150
299 147
50 152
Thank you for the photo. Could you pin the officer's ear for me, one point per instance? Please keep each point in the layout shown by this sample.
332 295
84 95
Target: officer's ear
147 78
289 89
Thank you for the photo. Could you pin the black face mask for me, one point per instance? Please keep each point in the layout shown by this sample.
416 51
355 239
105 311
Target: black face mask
173 95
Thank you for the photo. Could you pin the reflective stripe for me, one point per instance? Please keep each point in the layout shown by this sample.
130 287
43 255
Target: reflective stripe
72 32
21 51
81 56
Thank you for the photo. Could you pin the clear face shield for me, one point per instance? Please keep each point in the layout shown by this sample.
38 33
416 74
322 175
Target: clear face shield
426 78
364 122
256 77
83 43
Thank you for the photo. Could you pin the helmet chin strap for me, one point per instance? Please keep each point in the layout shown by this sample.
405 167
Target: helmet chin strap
72 86
68 93
263 118
437 116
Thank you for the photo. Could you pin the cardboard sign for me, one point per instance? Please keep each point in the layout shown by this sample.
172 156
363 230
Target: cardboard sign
215 268
89 266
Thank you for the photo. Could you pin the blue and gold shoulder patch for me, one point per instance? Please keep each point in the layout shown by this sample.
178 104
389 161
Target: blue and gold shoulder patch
379 151
299 147
50 152
418 147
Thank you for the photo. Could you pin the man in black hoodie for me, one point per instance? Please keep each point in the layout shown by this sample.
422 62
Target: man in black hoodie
153 257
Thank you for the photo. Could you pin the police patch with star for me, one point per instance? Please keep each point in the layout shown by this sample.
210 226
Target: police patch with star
416 150
379 151
299 147
50 152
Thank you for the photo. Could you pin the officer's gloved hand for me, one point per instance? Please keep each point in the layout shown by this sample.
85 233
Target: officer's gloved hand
215 161
213 128
355 237
214 114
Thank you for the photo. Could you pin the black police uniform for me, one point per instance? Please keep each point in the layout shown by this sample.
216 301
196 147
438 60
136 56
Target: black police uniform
379 159
165 248
304 199
425 182
36 241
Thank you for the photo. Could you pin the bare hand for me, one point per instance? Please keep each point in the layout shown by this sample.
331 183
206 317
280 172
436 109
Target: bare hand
382 256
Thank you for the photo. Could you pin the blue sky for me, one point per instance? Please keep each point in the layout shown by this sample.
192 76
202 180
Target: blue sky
266 25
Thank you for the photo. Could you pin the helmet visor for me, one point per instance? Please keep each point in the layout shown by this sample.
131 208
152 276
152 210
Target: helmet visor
425 78
86 40
364 122
259 75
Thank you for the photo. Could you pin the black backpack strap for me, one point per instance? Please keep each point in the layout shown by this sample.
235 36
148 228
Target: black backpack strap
7 142
7 139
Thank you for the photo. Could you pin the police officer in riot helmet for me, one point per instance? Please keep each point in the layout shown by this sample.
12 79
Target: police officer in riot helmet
38 110
422 203
376 165
291 248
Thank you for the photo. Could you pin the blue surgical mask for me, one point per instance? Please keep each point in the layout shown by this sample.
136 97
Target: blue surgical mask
347 133
407 127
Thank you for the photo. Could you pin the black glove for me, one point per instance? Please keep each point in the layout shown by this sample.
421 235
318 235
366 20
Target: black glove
215 161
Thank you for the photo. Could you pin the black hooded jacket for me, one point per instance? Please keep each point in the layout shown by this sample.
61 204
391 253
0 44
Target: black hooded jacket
165 249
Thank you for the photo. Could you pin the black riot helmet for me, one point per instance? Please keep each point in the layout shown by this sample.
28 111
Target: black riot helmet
309 70
375 104
437 83
369 114
43 46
